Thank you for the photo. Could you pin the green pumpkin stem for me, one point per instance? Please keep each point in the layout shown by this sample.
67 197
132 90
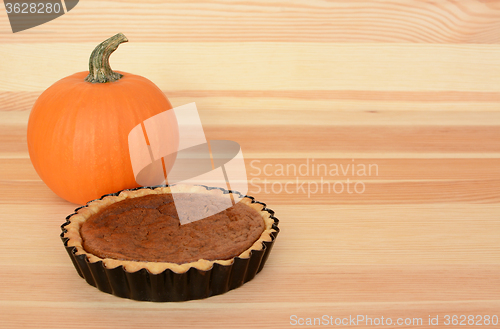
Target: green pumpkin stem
99 69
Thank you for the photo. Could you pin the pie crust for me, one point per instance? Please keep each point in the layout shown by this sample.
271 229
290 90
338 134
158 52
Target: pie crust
71 230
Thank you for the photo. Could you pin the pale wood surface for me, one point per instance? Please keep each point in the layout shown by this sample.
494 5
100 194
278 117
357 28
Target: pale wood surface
412 87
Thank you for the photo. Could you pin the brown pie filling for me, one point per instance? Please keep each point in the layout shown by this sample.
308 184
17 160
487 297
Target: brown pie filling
147 228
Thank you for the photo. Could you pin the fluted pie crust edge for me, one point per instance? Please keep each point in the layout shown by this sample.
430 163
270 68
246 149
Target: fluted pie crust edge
75 221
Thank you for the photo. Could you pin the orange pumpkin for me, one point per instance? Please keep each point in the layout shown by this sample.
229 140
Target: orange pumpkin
78 128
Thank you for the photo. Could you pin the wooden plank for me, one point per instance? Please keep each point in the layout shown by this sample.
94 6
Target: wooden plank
338 105
307 140
329 285
330 169
229 316
268 66
412 139
466 21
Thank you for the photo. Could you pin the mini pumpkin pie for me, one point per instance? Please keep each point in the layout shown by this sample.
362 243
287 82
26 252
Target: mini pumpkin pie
131 243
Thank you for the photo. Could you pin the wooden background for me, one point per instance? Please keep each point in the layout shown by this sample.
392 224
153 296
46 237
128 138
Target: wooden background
410 86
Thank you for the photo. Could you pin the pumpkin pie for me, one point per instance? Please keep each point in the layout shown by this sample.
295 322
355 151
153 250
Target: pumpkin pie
132 244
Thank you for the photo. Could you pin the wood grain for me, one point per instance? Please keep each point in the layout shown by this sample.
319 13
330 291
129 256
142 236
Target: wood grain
465 21
309 89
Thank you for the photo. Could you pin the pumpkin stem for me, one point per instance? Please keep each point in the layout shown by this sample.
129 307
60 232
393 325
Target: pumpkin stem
99 69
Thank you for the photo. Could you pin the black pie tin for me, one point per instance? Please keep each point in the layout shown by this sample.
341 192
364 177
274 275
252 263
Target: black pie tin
170 286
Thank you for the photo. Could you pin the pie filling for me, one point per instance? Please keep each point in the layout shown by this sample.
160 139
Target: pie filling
147 228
